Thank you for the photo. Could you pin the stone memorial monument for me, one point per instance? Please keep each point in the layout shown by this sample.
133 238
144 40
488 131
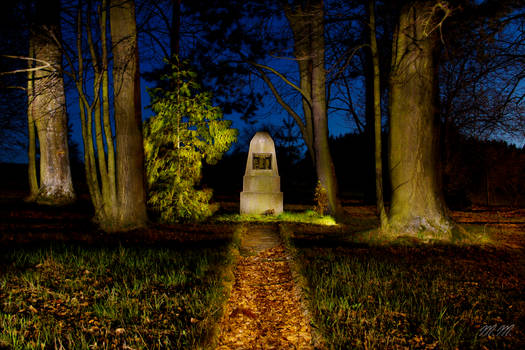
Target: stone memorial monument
261 184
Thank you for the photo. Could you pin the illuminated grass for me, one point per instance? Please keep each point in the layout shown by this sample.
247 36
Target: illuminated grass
307 217
85 297
436 296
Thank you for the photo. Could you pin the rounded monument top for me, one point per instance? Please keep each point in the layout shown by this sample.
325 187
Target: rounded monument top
261 155
263 135
262 142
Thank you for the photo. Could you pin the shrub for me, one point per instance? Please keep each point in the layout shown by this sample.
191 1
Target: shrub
320 199
186 130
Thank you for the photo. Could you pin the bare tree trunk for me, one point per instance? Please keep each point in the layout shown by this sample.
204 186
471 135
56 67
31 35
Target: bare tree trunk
86 118
49 108
417 204
31 152
369 190
111 196
116 182
302 31
377 117
306 22
368 71
130 154
323 158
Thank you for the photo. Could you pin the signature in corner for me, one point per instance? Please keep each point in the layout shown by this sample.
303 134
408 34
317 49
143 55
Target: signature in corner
495 330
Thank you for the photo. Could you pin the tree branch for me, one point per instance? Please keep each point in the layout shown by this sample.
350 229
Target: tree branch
44 66
279 99
303 94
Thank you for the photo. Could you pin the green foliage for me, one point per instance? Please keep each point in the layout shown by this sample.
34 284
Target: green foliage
320 199
186 130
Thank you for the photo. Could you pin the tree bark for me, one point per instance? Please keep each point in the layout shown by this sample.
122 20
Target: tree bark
31 151
302 31
306 22
368 72
323 158
111 196
377 117
417 203
131 193
49 108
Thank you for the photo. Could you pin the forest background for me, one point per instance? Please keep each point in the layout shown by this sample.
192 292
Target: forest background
481 91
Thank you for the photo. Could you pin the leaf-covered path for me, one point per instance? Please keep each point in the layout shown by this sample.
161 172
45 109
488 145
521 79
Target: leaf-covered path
264 309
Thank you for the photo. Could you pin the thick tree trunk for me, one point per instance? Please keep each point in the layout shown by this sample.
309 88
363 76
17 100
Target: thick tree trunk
417 204
306 22
377 117
131 193
49 108
302 31
323 158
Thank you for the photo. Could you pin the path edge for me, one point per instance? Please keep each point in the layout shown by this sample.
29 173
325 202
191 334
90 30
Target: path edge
301 287
227 280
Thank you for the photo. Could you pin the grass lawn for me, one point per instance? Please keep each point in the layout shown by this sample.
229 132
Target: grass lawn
306 217
74 296
419 296
124 291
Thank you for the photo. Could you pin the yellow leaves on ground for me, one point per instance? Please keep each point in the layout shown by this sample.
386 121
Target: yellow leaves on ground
32 309
264 310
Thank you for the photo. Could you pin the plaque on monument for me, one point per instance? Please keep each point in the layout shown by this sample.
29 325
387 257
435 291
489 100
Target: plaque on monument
262 161
261 183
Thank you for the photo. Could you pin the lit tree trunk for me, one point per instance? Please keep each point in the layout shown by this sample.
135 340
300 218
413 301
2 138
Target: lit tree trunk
102 208
302 31
368 71
417 203
130 154
49 108
377 117
115 181
31 152
306 22
111 196
323 159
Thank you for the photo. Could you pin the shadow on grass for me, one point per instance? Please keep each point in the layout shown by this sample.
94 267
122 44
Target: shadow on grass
410 294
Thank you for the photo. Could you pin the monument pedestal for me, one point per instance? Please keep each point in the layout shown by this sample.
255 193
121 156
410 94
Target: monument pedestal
260 203
261 183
